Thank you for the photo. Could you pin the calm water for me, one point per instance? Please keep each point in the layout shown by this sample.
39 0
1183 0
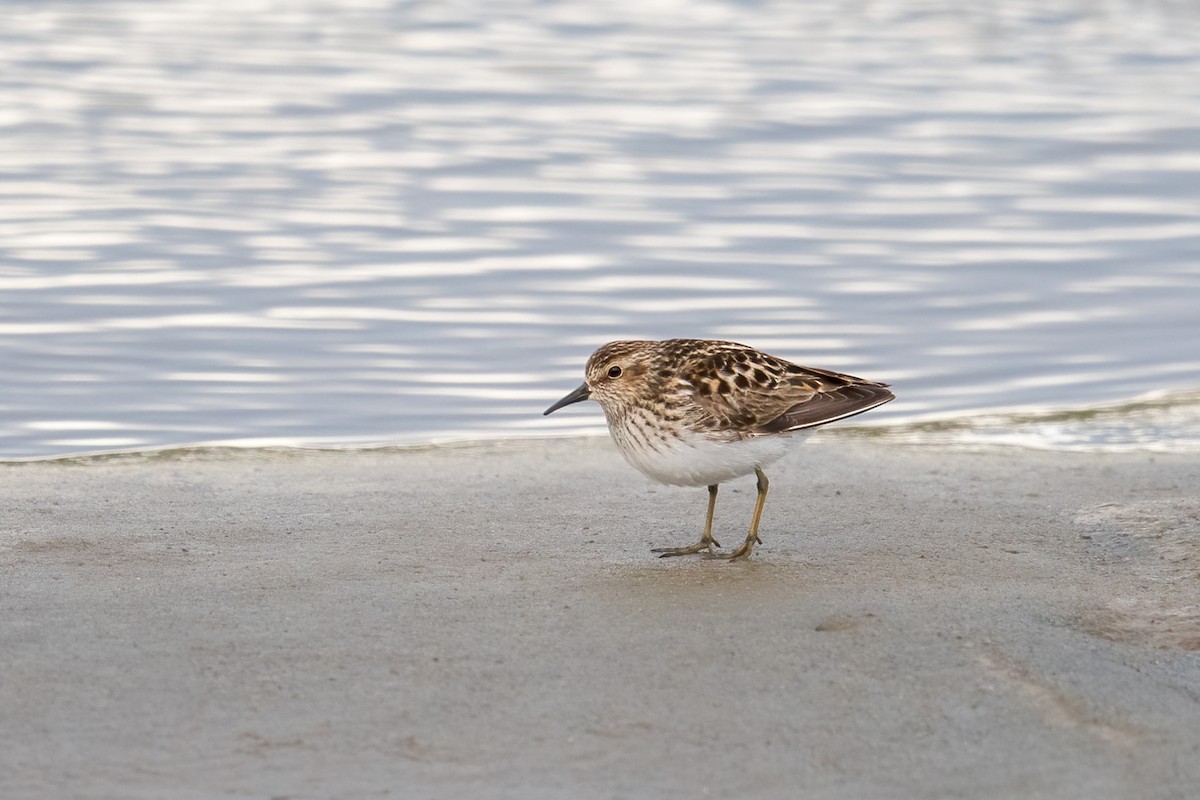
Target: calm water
373 222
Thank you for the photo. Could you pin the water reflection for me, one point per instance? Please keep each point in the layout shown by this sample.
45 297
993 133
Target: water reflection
388 222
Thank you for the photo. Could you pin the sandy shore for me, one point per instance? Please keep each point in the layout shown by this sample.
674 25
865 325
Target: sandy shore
480 622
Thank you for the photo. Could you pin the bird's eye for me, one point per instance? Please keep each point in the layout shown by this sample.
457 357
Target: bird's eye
614 372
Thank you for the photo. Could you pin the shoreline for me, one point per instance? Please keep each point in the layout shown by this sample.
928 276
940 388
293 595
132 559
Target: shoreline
1161 415
487 620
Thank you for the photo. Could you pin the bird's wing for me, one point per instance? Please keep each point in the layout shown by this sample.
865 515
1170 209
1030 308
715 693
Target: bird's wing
744 393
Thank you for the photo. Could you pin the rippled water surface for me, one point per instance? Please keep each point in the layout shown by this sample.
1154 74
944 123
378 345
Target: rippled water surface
315 223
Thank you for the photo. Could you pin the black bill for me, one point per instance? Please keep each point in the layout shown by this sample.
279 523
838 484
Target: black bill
582 393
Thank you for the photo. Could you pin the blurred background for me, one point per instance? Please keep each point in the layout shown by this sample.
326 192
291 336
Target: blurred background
371 222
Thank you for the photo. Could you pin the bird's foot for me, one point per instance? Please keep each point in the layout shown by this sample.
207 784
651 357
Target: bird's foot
741 552
692 549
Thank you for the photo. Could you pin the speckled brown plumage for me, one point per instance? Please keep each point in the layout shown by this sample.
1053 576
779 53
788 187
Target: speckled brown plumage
729 389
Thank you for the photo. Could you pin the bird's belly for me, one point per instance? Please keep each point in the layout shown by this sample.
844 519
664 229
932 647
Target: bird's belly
694 460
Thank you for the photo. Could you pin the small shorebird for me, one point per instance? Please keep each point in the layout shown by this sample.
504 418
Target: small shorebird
698 412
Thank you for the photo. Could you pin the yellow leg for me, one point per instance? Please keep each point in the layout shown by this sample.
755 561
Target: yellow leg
752 537
707 542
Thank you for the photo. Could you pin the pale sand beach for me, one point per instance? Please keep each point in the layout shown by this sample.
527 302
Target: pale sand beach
488 622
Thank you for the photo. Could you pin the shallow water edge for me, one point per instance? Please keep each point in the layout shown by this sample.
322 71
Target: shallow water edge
1160 424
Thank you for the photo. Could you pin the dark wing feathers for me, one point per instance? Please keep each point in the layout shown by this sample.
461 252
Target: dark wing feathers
745 393
829 406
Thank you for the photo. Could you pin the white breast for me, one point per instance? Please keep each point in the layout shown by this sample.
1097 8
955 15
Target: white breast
695 460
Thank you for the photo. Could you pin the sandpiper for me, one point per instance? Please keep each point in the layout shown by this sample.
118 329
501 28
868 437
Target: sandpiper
698 412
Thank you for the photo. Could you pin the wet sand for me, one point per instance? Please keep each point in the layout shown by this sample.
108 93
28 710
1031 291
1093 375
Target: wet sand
488 621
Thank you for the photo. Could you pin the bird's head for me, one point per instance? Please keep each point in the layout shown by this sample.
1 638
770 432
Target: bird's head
618 375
